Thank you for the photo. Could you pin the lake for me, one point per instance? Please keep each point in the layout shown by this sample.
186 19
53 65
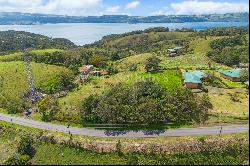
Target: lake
86 33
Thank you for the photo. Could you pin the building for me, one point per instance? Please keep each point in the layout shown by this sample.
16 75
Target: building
243 65
233 75
175 51
86 69
247 84
193 80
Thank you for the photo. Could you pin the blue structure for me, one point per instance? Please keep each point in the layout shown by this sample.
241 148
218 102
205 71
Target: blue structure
247 84
194 79
233 75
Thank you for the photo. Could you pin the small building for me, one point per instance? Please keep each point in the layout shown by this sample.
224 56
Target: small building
175 51
193 80
95 73
247 84
233 75
243 65
86 69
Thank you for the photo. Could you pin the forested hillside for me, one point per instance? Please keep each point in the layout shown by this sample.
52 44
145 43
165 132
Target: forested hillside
18 40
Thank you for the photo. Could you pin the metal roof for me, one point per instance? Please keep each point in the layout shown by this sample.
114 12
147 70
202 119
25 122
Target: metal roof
171 50
247 83
177 48
235 73
194 77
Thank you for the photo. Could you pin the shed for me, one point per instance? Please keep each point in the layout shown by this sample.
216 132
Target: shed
86 69
175 51
233 75
247 84
193 80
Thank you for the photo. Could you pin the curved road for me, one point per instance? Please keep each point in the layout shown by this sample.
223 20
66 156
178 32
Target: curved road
201 131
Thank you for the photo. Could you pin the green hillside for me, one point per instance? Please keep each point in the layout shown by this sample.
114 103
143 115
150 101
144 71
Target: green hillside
14 81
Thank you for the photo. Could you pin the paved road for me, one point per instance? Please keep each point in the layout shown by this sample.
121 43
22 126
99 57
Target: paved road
202 131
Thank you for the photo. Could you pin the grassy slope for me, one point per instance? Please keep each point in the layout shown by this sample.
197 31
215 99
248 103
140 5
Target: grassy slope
170 79
196 60
18 55
153 37
14 81
125 63
72 102
60 155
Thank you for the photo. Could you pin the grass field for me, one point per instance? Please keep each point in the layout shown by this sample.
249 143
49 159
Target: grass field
18 55
193 61
14 81
138 60
171 79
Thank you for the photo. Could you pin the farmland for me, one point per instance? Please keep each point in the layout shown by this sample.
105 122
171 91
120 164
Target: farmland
143 89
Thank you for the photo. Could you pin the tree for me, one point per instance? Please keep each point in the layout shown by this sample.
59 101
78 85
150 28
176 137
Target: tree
144 102
48 108
244 75
152 64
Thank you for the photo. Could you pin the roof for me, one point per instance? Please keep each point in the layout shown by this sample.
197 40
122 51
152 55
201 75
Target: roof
194 77
171 50
177 48
235 73
246 83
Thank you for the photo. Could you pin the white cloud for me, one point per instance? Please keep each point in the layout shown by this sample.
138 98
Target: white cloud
112 9
133 5
69 7
207 7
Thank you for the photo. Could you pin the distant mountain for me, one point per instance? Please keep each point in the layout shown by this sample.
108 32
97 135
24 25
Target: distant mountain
8 18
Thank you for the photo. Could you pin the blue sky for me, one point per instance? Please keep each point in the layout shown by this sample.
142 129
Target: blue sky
129 7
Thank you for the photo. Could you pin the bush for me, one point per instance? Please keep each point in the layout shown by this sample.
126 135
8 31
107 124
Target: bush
18 160
144 103
234 97
48 107
152 64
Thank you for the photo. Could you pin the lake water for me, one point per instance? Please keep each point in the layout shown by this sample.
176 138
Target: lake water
86 33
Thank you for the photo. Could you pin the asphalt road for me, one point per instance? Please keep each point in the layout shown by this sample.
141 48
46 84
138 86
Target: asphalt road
201 131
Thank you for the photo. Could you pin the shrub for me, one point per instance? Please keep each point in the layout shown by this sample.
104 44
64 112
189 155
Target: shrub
18 160
146 103
152 64
48 107
234 97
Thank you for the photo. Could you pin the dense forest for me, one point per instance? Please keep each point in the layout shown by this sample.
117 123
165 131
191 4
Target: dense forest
12 41
230 50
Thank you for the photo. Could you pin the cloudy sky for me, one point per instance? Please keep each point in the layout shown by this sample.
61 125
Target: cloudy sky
129 7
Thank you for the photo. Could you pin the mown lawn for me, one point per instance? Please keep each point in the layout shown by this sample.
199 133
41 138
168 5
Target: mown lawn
171 79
